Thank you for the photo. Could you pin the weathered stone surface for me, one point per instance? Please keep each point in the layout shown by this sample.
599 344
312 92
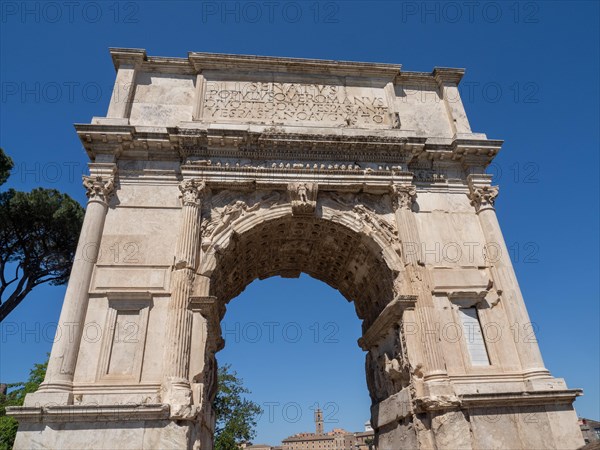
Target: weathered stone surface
214 170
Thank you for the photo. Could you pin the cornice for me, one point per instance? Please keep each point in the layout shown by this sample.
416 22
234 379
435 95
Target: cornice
219 61
128 142
390 316
197 62
448 75
89 413
134 56
520 398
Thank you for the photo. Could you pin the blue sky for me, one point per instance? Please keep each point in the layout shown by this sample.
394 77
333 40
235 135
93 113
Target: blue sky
532 80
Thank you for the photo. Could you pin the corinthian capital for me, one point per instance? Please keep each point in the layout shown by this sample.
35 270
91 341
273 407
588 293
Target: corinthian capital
98 187
403 196
192 191
483 196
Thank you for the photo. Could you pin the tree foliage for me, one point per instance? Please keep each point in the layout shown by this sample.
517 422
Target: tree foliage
38 238
6 164
236 415
16 397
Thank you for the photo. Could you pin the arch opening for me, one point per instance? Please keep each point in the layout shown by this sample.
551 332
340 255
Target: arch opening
349 261
293 342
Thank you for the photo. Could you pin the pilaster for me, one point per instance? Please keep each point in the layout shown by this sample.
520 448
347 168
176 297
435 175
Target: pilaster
403 196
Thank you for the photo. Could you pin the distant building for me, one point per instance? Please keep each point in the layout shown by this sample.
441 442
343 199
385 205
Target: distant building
590 429
337 439
259 447
256 447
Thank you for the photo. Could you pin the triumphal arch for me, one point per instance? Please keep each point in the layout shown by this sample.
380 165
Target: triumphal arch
211 171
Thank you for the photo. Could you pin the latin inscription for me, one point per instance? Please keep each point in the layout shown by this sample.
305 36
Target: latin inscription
293 102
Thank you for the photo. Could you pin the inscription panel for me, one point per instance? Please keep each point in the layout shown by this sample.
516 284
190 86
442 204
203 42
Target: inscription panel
282 100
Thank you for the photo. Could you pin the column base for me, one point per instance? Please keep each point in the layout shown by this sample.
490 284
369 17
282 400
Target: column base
177 393
50 394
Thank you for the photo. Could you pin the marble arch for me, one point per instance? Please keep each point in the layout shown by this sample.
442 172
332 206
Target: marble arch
213 170
335 246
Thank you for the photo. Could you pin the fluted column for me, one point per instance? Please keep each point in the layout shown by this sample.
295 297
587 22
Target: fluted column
176 383
403 196
63 358
483 196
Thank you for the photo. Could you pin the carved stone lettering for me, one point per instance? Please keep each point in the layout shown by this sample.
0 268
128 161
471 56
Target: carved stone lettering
274 102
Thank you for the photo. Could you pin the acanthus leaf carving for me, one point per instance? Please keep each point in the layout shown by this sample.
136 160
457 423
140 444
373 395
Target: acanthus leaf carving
483 196
403 196
192 191
98 187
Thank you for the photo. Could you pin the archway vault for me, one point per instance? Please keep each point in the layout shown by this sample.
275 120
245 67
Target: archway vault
335 245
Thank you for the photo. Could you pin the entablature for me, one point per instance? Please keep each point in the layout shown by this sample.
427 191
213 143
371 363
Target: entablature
304 150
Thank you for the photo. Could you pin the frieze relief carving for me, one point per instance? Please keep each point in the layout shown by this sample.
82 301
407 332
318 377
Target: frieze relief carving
289 165
428 175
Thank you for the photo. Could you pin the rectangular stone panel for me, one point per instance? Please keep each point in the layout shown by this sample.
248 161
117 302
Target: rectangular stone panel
119 277
473 336
139 236
162 99
284 99
455 279
450 240
422 110
124 343
124 336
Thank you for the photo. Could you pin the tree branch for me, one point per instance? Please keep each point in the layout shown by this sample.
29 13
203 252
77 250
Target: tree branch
13 301
46 280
